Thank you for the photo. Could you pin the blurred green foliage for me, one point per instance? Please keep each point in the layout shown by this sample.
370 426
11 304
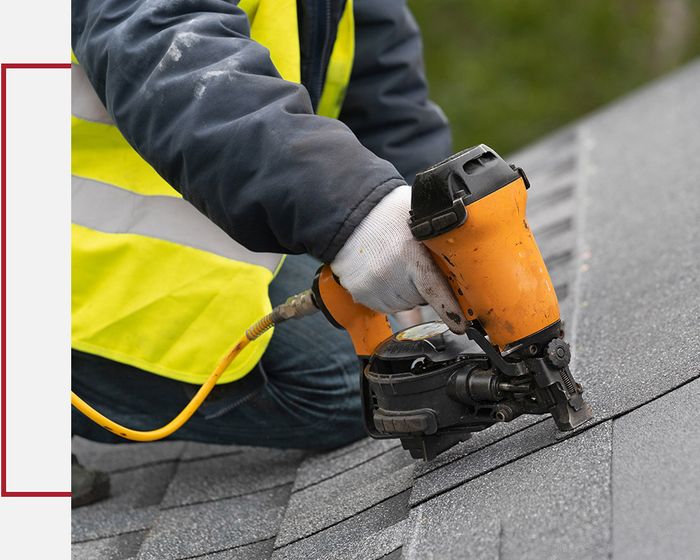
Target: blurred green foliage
508 71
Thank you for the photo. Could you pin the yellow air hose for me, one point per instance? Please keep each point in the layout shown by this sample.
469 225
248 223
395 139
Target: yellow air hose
295 307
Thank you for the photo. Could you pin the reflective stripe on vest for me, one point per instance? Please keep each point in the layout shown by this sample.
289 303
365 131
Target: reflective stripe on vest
110 209
156 284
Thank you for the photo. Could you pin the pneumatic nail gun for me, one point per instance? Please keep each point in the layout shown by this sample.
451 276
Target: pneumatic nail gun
430 387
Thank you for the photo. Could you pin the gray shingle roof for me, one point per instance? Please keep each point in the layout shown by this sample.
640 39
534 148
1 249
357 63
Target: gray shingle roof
616 209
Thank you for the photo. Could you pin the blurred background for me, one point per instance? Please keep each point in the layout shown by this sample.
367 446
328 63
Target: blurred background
507 72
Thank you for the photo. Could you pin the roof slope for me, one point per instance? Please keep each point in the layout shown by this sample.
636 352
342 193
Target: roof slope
615 207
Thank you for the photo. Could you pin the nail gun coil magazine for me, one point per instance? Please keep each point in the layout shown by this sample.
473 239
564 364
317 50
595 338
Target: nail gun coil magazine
432 388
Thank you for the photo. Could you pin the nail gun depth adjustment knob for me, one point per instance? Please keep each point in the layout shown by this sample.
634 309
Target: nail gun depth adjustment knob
558 353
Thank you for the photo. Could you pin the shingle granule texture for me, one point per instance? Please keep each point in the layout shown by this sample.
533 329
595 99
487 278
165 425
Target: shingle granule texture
554 503
656 478
615 207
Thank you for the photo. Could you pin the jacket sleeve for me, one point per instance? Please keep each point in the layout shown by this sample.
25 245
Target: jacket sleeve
387 103
204 105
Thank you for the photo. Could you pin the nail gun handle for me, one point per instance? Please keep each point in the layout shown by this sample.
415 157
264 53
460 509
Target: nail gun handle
367 328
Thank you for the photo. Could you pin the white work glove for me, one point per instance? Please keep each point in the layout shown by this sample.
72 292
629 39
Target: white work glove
385 268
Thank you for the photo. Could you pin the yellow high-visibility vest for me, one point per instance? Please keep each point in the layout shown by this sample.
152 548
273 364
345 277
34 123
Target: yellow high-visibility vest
155 284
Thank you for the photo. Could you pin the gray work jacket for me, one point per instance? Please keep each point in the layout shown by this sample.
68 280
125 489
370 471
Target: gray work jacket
250 153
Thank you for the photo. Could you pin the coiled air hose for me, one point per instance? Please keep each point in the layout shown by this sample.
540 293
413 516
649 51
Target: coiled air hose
297 306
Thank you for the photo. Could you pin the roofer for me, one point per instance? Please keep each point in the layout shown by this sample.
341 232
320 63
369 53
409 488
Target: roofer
173 259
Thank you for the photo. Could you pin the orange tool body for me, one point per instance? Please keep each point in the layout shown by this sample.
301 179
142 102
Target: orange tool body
495 267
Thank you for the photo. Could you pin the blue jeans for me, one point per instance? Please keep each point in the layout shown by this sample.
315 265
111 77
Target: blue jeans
303 394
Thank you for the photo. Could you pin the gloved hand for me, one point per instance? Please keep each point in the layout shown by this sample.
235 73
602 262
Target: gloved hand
385 268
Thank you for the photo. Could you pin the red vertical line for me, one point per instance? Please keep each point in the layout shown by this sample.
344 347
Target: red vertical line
3 255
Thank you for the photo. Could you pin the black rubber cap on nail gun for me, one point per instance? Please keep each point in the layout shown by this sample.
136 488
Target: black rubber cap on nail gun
441 193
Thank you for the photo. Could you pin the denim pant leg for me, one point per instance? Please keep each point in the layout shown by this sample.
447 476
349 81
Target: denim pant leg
303 394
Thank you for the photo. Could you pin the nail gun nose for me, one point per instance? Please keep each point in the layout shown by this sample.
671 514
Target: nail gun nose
567 417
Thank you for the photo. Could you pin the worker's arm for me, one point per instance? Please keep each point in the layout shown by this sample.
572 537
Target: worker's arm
387 103
204 105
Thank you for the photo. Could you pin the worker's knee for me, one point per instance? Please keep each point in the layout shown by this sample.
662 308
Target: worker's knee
343 428
315 417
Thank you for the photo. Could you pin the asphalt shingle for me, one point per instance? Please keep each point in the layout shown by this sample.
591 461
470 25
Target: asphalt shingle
328 465
194 450
656 479
553 503
324 504
368 535
256 551
507 450
638 331
215 526
223 476
132 506
122 547
125 456
394 555
478 441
